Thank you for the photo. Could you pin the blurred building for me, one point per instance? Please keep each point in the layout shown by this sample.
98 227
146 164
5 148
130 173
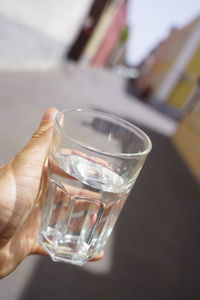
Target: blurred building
187 138
101 40
170 75
38 34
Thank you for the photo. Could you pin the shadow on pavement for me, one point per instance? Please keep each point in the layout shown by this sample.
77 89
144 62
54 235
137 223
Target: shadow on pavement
157 244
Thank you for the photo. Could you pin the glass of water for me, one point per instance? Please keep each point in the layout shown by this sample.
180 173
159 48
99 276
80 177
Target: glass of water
94 161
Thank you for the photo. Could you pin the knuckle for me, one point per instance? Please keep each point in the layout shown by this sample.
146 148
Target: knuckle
40 133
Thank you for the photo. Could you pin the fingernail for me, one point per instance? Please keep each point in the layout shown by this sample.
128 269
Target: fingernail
49 114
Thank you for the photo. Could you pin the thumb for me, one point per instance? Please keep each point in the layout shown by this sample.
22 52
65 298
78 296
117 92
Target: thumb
37 148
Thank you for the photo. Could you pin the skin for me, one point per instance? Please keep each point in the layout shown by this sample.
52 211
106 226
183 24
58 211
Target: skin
20 180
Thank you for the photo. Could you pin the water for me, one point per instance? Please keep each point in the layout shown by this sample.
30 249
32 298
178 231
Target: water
83 201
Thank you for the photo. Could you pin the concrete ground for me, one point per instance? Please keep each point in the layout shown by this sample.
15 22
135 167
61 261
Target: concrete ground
154 251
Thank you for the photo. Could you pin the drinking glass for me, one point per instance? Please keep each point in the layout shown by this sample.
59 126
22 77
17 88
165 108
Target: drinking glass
93 163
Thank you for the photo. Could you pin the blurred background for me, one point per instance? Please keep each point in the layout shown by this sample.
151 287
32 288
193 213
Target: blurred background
137 59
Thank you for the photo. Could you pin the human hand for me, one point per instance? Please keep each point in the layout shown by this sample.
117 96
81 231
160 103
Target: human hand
19 185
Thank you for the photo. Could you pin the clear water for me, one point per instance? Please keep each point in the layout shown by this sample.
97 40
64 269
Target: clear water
83 201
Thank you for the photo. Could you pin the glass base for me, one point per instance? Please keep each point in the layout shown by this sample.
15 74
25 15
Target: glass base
67 254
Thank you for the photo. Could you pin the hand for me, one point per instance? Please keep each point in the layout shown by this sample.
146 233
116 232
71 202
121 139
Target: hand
19 185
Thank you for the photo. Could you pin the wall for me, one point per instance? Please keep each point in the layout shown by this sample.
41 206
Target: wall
180 96
36 33
187 140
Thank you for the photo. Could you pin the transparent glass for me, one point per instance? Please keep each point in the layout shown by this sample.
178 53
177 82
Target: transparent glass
94 161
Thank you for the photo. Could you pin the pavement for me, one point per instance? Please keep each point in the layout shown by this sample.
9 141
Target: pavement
154 250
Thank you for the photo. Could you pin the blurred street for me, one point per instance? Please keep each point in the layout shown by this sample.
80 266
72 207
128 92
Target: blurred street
28 94
154 251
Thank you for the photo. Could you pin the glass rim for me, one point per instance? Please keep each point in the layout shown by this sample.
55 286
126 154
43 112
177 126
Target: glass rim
112 117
